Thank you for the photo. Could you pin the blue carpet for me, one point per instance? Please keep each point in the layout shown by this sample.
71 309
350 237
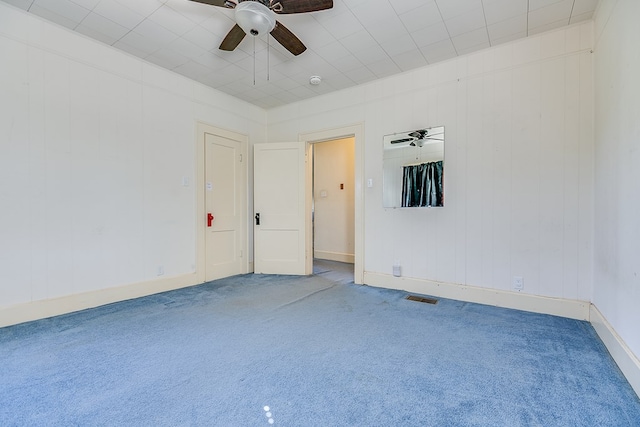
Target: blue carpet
259 350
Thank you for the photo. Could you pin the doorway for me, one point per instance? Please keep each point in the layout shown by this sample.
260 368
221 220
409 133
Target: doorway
333 206
295 190
357 133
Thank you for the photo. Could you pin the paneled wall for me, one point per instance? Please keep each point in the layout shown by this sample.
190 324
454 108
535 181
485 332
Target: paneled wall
617 171
97 163
518 164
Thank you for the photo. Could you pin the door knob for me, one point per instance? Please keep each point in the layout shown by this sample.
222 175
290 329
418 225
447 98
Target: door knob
210 219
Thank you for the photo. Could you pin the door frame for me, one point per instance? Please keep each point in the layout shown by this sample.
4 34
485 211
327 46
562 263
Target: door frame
201 256
356 131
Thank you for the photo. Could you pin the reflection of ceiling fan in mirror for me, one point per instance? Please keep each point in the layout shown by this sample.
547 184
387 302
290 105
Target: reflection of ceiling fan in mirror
418 137
257 17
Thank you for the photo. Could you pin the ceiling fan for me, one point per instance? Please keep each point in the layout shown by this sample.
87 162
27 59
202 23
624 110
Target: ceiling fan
257 17
418 137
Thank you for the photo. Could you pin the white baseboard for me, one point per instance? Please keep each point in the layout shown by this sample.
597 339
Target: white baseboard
621 353
41 309
334 256
572 309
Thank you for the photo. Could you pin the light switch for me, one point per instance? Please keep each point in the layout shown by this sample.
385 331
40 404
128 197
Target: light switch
323 193
370 183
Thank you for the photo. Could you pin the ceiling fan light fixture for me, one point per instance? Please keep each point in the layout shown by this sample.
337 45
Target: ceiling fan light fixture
255 18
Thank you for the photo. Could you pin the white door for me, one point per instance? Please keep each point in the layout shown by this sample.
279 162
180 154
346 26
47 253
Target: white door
279 208
223 204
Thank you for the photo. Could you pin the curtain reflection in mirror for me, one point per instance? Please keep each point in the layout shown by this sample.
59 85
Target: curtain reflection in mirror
422 185
419 186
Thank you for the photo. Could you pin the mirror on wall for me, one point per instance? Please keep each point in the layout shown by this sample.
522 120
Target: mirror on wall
413 168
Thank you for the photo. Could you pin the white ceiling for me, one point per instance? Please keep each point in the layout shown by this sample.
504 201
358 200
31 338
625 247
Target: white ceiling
355 42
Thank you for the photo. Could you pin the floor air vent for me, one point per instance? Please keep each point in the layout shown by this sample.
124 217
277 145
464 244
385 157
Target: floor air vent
422 299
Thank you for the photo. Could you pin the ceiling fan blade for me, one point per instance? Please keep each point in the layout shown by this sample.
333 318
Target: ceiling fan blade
400 141
233 38
422 133
220 3
302 6
287 39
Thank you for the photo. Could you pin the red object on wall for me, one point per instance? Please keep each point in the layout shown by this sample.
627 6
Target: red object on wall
210 219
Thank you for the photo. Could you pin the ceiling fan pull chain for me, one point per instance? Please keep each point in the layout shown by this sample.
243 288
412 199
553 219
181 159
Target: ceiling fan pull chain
254 61
268 54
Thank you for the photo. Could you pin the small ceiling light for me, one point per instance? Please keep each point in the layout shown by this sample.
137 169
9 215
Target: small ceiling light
315 80
255 18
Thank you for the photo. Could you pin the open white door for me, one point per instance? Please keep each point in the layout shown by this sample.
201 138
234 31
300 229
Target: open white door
279 209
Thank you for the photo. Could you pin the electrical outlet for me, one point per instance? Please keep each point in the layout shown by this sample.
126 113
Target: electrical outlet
518 283
160 270
396 269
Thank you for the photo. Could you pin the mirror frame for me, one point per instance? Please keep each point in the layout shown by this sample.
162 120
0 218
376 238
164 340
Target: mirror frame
421 147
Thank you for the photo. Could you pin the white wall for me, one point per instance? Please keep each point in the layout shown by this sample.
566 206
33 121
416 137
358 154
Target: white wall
519 164
334 209
617 168
94 146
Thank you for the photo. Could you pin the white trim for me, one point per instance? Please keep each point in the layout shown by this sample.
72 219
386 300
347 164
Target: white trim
356 131
334 256
621 353
308 208
572 309
41 309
